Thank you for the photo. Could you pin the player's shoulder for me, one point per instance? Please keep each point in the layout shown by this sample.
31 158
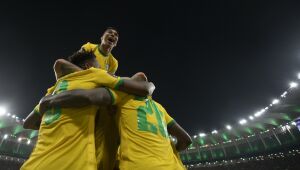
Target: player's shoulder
89 46
160 107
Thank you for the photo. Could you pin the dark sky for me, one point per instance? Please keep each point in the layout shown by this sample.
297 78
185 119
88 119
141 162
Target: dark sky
213 62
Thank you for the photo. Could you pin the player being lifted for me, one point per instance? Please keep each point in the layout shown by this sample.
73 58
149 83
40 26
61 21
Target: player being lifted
144 126
66 135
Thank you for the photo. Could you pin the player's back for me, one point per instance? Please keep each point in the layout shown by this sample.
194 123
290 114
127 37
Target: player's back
66 136
145 142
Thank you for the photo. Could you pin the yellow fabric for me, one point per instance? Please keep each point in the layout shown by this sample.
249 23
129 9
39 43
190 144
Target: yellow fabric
108 63
66 135
145 142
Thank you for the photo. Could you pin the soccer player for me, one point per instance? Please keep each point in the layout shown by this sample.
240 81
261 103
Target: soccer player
144 127
103 50
66 135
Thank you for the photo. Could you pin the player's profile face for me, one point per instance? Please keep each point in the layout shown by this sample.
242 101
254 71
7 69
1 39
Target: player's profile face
110 37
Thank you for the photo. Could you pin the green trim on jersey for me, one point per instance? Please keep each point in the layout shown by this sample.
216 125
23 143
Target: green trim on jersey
98 48
120 82
170 124
113 100
139 98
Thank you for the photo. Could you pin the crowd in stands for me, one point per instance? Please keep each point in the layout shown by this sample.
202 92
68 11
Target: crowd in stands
279 161
10 163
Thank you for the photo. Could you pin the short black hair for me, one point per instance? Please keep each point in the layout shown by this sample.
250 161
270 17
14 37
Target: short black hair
111 28
79 58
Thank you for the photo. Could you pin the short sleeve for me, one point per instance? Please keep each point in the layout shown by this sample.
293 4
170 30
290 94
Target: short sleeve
49 91
88 47
103 78
116 96
113 66
169 120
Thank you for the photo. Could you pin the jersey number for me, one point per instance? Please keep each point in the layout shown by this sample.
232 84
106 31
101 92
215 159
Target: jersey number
54 113
144 125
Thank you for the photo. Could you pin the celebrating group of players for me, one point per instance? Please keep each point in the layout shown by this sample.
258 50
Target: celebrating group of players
91 119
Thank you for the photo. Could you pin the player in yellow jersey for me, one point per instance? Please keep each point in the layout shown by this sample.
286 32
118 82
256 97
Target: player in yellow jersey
66 135
144 127
103 50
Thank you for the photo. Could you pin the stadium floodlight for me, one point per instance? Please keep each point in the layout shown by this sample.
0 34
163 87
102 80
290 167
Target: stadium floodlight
202 134
293 85
284 94
5 136
251 117
19 139
28 142
214 132
13 116
228 127
243 121
2 111
275 101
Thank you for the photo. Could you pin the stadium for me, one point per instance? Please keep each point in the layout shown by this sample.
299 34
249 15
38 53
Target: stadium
174 85
269 137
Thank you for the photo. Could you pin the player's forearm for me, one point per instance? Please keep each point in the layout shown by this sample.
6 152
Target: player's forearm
77 98
62 67
183 138
32 121
139 88
73 98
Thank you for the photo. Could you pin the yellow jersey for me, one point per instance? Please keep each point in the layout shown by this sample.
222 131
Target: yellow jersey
66 135
108 63
145 142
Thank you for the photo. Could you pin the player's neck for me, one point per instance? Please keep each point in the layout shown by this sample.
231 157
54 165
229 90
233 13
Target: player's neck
105 49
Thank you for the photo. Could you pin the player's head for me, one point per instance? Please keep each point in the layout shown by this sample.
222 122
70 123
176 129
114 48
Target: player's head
84 59
110 37
140 76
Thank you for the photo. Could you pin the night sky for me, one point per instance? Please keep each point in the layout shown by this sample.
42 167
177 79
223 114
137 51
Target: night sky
213 62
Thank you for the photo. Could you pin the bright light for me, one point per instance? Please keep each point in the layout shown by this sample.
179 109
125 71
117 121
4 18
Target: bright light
19 139
2 111
243 121
195 136
288 127
284 94
28 142
251 117
202 134
8 114
294 123
298 75
293 85
228 127
275 101
214 132
13 116
257 114
5 136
